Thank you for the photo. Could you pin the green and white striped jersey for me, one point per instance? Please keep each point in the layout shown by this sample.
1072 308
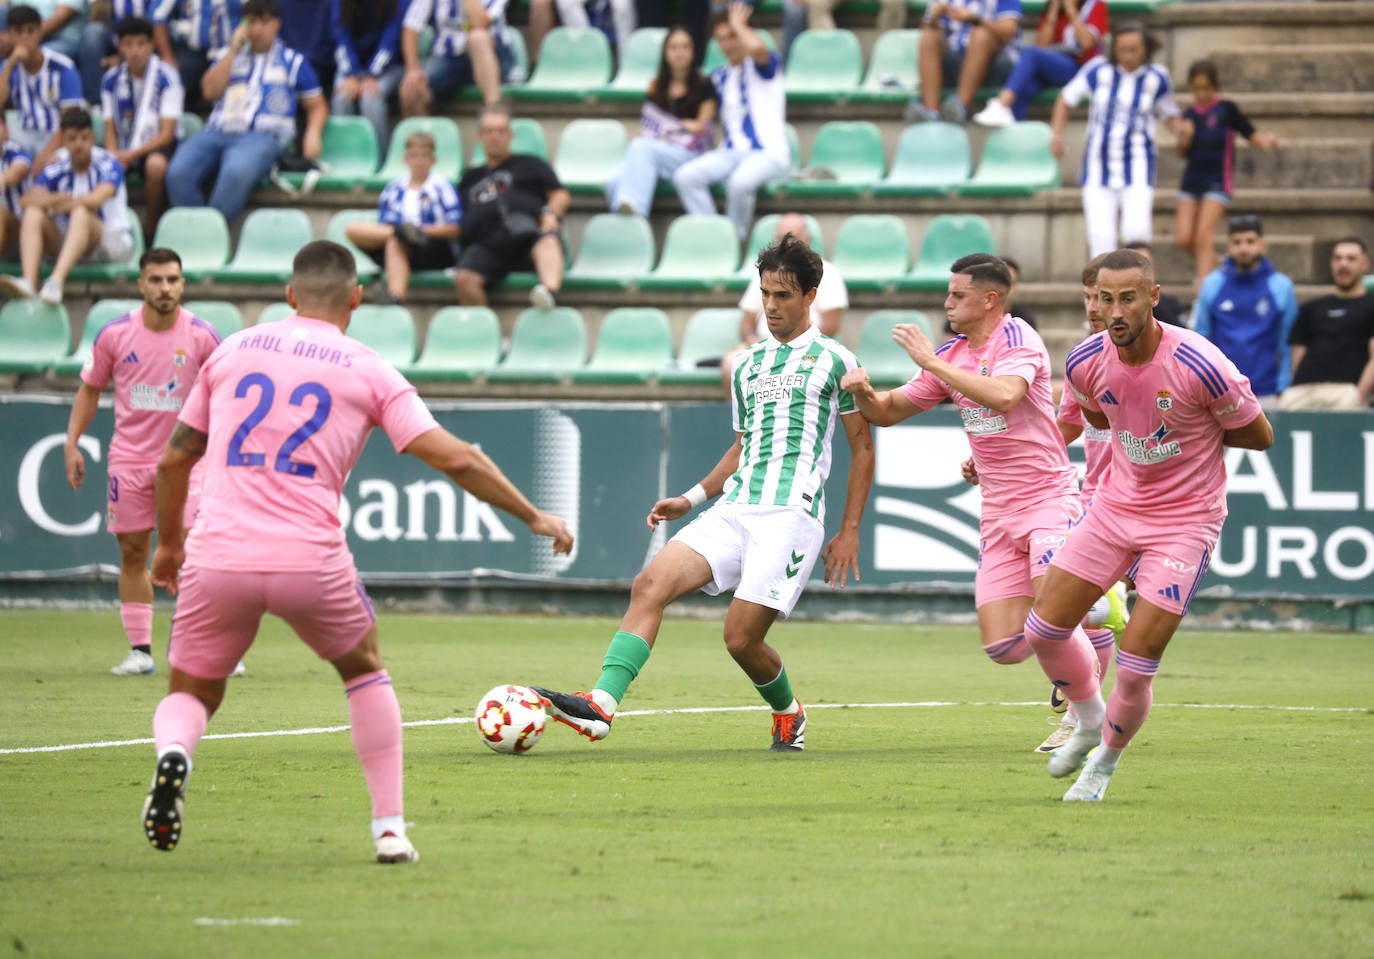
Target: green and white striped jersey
787 398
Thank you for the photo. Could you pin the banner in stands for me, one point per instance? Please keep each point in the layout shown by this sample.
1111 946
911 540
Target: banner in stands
1300 522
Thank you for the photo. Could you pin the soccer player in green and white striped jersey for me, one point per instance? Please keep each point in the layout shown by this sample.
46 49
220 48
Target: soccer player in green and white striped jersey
764 535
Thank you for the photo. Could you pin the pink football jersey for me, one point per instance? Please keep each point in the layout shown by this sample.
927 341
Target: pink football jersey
1097 449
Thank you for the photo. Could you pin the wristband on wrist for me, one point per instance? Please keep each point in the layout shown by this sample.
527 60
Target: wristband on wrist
695 496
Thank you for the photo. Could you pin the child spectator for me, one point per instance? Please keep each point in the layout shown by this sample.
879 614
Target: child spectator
42 84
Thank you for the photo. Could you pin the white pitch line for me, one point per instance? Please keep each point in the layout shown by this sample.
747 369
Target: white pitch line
463 721
249 921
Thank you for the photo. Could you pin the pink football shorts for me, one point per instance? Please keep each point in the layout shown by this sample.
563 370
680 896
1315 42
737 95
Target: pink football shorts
130 505
1017 548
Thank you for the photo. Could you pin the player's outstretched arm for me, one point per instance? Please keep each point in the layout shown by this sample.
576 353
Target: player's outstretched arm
675 507
1254 435
880 409
184 449
475 472
841 554
83 411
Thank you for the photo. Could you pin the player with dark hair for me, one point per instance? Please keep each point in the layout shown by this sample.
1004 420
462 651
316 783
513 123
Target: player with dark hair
764 535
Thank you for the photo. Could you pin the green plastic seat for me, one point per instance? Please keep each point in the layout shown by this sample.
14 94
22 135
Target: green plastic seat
762 235
273 312
710 334
199 235
1016 161
893 58
794 150
338 232
35 335
527 136
221 314
852 150
871 251
714 58
885 361
589 152
546 346
948 237
463 342
639 56
699 253
448 150
616 250
348 154
268 242
390 330
191 124
100 313
931 158
831 64
634 345
572 62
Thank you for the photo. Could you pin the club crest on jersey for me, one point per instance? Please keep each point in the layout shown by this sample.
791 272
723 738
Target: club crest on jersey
983 366
808 361
1164 401
179 359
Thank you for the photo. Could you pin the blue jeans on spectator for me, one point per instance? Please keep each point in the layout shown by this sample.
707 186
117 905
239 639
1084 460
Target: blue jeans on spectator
646 162
448 74
1038 69
234 161
373 108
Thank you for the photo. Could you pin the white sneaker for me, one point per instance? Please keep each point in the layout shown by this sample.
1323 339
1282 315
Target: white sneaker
541 298
239 670
995 114
16 287
1069 757
51 293
1092 784
137 663
1059 737
394 848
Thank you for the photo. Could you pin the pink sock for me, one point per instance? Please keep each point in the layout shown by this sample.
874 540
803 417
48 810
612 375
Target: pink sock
1013 649
1104 643
138 623
180 720
1066 656
375 717
1130 700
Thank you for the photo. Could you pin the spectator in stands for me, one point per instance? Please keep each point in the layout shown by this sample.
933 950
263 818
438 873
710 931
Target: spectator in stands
1169 309
1127 94
42 84
305 30
470 46
76 211
617 19
1206 138
799 15
367 46
1332 341
199 31
1066 38
964 44
513 207
67 29
255 85
675 126
98 39
827 309
142 100
753 116
14 174
1247 308
417 221
694 15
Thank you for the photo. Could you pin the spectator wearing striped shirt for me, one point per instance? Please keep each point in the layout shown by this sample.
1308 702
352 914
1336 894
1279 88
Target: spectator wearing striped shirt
1127 94
98 51
1068 35
964 43
418 218
199 31
142 98
14 174
470 47
256 86
76 211
41 82
367 60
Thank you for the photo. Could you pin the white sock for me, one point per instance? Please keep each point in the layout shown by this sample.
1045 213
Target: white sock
391 824
1106 758
791 710
605 701
1091 712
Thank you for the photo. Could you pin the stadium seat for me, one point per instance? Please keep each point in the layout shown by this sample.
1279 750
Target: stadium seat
348 155
639 57
931 158
35 335
337 231
832 62
273 312
1016 161
463 342
616 250
793 148
200 236
893 59
589 151
448 150
699 253
100 313
948 237
710 334
221 314
634 345
886 362
267 244
762 235
714 58
545 347
852 150
389 330
573 62
872 252
191 124
527 136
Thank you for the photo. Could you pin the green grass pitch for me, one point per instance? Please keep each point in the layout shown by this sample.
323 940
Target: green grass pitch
1234 827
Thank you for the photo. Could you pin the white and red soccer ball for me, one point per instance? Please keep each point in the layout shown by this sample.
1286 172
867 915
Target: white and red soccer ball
510 719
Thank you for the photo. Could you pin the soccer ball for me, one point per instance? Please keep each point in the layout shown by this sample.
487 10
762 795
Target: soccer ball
510 719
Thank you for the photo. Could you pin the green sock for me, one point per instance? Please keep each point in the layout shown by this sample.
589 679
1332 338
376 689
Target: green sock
625 657
777 693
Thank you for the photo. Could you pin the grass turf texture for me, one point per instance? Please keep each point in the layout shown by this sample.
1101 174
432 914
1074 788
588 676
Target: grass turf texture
918 831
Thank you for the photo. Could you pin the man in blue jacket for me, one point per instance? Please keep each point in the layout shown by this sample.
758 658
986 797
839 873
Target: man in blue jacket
1247 307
